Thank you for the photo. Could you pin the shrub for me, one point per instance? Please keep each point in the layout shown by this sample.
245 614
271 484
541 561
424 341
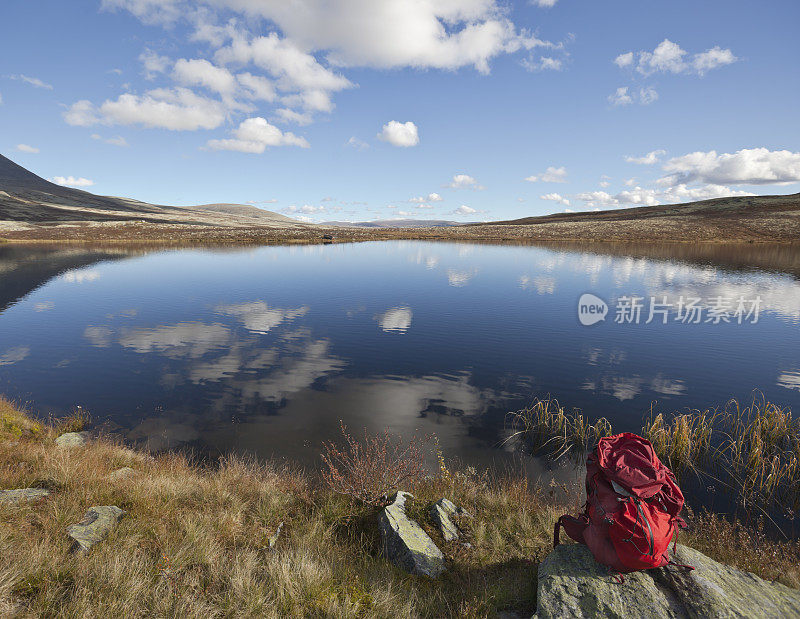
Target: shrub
369 470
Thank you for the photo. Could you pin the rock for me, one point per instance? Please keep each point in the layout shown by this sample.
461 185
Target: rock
443 512
122 473
274 539
73 439
572 584
405 543
23 495
96 524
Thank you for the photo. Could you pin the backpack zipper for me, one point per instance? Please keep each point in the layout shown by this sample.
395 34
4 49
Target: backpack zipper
649 529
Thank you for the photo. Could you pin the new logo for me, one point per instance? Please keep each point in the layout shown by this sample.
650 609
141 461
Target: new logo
591 309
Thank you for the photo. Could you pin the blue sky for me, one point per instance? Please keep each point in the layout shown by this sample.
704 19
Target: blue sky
364 109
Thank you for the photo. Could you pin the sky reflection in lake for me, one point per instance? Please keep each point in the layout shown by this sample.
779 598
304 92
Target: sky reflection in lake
264 350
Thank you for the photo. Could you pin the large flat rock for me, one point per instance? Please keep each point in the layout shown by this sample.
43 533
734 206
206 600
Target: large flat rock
572 584
405 543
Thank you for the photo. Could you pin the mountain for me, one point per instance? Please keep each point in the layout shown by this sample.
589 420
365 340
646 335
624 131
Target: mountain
393 223
26 197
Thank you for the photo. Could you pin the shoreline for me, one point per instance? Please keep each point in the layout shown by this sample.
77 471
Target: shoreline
79 233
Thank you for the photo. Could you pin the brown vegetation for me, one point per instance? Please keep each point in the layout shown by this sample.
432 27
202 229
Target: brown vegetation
195 539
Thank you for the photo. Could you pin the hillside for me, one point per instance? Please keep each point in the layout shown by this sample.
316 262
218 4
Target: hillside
717 208
393 223
26 197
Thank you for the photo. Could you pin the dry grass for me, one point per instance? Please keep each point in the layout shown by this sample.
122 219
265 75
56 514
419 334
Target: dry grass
744 547
549 427
752 450
194 541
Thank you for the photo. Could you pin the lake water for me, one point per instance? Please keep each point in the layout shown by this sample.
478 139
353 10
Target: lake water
263 350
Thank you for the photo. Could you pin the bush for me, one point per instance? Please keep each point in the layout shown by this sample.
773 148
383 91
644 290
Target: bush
369 470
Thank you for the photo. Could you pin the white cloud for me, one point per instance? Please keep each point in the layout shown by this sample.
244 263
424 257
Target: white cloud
624 60
669 57
624 96
604 184
545 63
306 209
307 40
464 181
555 197
551 175
176 109
431 197
286 115
620 97
647 95
354 142
33 81
257 87
711 59
545 4
294 69
149 11
639 196
463 210
116 141
24 148
1 99
395 33
71 181
81 114
254 135
400 134
153 63
200 72
649 159
753 166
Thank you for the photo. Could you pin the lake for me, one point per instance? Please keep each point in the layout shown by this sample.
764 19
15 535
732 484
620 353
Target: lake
264 350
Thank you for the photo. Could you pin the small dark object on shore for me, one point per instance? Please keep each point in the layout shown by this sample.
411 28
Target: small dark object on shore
327 237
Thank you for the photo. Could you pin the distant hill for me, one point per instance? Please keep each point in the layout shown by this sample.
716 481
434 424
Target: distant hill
715 208
393 223
26 197
243 210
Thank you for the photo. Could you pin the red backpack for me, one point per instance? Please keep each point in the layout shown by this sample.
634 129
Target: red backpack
632 506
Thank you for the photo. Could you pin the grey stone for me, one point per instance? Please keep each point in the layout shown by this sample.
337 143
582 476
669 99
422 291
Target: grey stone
405 543
122 473
73 439
572 584
274 539
23 495
95 526
443 512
